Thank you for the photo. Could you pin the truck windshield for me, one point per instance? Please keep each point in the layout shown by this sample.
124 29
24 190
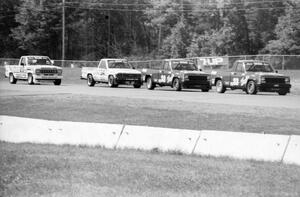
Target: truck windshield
259 67
39 61
184 66
118 65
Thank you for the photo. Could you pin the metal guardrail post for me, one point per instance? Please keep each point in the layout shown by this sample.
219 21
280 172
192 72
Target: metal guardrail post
283 62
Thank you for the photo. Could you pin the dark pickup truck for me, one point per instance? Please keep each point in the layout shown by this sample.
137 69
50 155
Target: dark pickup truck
177 73
251 76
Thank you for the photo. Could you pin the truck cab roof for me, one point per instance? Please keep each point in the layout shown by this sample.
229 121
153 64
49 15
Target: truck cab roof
35 56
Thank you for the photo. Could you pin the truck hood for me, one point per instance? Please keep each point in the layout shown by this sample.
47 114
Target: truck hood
267 74
188 72
43 67
126 71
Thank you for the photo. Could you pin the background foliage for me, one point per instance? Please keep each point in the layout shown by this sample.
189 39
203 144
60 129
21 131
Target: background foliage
143 29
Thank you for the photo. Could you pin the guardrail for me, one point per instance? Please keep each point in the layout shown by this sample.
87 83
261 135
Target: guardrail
258 146
279 62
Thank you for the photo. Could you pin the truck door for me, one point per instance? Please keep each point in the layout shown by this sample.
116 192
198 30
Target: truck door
101 72
236 75
168 73
19 70
163 73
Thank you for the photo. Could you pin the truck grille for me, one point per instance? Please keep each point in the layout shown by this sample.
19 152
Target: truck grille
198 78
125 76
48 71
275 80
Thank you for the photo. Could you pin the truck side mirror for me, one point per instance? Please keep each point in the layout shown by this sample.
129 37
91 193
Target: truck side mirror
200 69
276 71
22 64
52 62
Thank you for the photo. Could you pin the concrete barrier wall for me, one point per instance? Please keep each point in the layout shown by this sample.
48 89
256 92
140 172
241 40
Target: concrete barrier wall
242 145
15 129
214 143
164 139
292 154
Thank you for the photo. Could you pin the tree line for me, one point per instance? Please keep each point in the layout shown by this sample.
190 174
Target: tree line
149 29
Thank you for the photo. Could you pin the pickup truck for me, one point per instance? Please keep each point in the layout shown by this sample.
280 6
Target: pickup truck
251 76
177 73
34 69
113 72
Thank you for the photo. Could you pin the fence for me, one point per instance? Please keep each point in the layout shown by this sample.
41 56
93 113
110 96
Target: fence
279 62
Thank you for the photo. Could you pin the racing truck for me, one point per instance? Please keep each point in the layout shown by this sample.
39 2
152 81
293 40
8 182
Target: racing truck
34 69
251 76
177 73
113 72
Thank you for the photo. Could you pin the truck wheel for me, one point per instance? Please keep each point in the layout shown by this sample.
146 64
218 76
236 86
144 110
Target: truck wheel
177 84
12 79
150 84
90 80
137 85
251 88
57 82
30 79
282 92
111 82
220 86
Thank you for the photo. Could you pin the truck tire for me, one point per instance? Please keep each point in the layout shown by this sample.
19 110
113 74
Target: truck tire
30 79
177 84
12 79
90 80
112 82
57 82
251 87
220 86
282 92
150 84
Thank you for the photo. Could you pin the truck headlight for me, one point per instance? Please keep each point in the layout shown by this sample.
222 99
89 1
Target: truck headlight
59 71
37 71
287 80
208 78
185 77
262 79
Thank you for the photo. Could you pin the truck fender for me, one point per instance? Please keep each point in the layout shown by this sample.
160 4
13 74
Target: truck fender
245 80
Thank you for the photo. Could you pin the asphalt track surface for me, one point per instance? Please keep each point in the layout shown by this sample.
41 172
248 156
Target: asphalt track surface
236 97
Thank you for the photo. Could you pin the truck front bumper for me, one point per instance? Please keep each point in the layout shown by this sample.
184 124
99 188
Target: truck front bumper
268 87
196 84
47 77
128 81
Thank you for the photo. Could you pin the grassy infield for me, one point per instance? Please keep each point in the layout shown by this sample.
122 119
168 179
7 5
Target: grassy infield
46 170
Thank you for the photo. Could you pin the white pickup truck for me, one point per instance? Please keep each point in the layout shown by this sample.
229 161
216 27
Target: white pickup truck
113 72
34 69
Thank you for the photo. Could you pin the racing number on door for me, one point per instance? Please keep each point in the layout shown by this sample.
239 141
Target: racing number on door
163 79
235 82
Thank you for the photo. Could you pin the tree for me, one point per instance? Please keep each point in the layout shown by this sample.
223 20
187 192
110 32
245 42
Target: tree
8 45
214 42
175 45
287 33
39 28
